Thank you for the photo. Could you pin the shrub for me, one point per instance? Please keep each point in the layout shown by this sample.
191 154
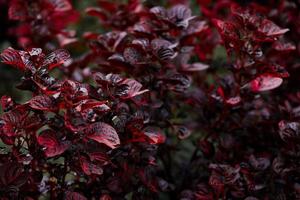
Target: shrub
164 104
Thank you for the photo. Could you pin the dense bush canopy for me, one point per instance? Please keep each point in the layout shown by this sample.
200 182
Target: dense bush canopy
190 100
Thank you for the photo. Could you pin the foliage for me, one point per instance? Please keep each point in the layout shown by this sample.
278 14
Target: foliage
150 108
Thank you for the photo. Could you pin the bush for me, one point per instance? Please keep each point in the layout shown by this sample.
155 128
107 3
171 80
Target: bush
162 104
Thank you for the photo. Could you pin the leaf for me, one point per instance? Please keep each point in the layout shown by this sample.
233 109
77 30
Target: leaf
259 163
133 55
97 12
61 5
154 135
159 11
288 130
233 100
89 168
12 174
74 196
265 82
53 147
12 57
15 117
7 103
182 132
42 102
103 133
90 103
179 13
57 150
194 67
99 157
17 10
129 88
56 58
283 46
270 29
47 138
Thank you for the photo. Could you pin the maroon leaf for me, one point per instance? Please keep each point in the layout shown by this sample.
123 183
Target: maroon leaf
132 88
61 5
154 135
133 55
57 150
48 139
288 130
42 102
53 147
17 10
7 103
15 117
259 163
99 157
89 104
270 29
179 13
283 46
265 82
12 57
56 58
12 174
98 12
103 133
74 196
159 11
89 168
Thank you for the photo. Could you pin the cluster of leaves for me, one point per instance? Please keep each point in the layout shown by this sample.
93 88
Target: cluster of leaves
147 111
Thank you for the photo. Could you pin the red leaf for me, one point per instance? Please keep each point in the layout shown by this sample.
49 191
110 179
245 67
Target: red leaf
270 29
47 139
56 58
103 133
226 29
53 147
89 168
57 150
98 12
265 83
15 117
42 102
74 196
12 57
90 103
